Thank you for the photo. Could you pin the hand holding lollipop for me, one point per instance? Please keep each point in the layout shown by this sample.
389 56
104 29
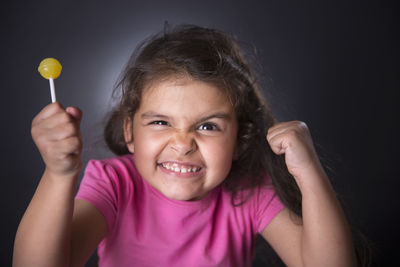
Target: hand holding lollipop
50 69
56 130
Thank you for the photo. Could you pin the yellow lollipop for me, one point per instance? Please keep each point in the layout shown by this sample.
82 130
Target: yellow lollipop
50 69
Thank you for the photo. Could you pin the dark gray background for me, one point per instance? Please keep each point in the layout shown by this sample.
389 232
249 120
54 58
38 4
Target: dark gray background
332 64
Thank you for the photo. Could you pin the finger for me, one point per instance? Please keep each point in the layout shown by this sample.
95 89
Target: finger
284 125
48 111
56 120
61 150
280 128
75 112
277 130
276 144
63 131
71 145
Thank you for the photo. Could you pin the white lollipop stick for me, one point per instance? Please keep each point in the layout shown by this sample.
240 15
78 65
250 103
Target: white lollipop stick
52 90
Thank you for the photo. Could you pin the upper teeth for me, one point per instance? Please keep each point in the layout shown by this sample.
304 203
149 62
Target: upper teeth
174 167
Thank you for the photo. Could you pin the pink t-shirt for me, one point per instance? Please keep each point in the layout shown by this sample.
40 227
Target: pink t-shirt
145 228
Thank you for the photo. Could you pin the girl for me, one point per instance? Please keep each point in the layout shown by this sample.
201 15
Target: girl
201 168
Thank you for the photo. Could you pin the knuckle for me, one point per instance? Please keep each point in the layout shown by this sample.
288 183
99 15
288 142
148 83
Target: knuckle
36 119
73 142
293 134
59 157
64 117
78 143
34 132
70 128
302 125
49 150
39 139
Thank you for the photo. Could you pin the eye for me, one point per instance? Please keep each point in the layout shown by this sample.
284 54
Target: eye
208 127
160 123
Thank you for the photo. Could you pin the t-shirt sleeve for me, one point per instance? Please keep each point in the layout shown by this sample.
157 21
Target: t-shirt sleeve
98 186
268 206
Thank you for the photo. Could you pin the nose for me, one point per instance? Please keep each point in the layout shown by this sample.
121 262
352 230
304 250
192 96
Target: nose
183 143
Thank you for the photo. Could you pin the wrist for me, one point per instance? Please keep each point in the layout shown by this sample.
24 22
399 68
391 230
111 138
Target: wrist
314 176
61 178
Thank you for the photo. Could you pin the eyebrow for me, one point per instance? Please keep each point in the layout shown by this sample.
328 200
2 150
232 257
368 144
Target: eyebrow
218 115
151 114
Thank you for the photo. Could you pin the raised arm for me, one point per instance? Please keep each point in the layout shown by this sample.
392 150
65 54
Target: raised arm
44 234
322 237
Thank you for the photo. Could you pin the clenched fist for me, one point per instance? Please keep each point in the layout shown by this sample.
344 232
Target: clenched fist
56 133
294 140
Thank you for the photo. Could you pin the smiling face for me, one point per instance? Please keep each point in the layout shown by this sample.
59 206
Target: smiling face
184 137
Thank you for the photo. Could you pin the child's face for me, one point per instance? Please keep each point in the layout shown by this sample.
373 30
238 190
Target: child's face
184 137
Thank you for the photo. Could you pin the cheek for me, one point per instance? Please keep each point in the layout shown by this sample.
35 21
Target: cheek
146 145
219 155
147 151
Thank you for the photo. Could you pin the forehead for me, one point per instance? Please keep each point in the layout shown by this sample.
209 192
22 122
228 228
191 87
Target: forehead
185 94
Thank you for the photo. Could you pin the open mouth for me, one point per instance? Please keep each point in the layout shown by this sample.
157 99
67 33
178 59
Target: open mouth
180 168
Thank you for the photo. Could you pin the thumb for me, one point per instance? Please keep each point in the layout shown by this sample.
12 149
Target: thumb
75 112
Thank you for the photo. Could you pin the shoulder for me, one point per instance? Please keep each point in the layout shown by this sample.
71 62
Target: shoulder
120 165
263 193
262 203
116 172
106 184
108 181
118 162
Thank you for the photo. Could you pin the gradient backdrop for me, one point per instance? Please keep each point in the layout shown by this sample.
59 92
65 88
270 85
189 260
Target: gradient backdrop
332 64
